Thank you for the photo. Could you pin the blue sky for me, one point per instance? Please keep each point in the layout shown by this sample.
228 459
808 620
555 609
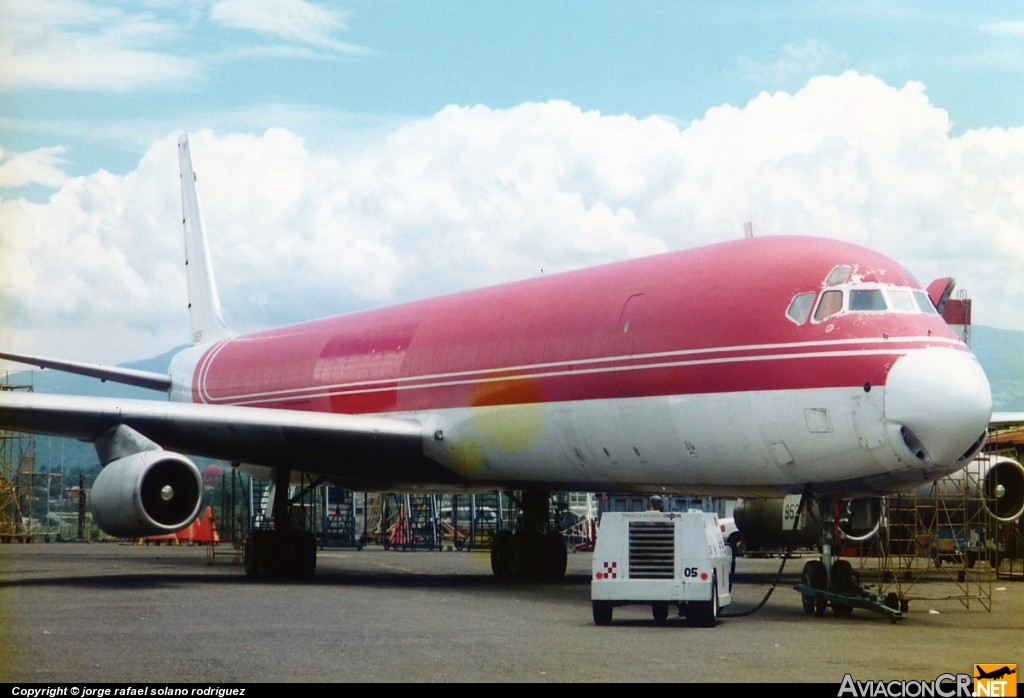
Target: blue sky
92 93
151 65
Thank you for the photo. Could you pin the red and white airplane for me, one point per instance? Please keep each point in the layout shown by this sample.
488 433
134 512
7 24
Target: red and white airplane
757 367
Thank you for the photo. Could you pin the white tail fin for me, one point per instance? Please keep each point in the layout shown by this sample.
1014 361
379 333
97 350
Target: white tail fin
203 301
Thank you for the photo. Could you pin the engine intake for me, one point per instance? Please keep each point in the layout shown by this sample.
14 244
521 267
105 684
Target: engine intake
996 482
1004 489
148 493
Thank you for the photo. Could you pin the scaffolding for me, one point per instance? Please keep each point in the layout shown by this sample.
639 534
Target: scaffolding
470 521
405 521
17 477
338 518
230 525
410 522
940 533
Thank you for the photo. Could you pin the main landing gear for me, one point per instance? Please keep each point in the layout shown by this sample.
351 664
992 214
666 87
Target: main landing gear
827 582
282 554
284 551
530 553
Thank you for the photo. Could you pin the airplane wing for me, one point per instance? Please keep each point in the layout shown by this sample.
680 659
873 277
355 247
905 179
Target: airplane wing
356 448
129 376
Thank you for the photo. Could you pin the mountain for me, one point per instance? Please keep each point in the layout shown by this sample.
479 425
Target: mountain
1001 353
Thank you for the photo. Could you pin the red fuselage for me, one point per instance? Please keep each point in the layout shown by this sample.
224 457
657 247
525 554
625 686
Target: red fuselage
709 320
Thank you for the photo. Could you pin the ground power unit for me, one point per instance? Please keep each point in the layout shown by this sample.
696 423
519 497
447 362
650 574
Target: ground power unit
661 559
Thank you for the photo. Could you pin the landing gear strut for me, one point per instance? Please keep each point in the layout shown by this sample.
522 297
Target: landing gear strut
283 551
825 582
531 553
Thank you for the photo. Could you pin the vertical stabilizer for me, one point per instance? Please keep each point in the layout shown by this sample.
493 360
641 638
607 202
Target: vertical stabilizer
203 303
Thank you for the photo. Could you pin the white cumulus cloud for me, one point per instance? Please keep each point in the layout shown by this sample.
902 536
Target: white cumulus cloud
40 166
474 196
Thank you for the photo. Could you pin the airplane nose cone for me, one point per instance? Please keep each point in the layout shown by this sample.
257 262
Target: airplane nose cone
942 399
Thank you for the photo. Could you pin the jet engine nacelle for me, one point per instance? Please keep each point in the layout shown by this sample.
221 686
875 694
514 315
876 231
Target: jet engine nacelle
998 486
768 522
760 522
148 493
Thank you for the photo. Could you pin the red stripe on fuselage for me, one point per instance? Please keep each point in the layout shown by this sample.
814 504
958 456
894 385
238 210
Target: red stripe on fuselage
707 320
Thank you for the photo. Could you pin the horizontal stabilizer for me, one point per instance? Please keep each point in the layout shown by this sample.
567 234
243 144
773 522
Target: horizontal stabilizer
128 376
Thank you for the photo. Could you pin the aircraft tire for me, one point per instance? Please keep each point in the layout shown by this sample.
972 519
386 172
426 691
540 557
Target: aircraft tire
843 577
815 577
528 556
280 554
271 558
555 557
501 553
305 554
250 555
845 582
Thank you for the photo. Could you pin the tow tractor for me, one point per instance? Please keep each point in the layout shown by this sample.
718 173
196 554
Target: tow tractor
661 559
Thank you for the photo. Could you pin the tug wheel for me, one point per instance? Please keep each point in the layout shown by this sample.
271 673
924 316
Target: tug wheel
602 612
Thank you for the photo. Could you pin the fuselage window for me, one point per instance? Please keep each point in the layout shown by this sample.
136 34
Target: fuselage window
831 303
867 300
839 275
901 301
800 308
925 303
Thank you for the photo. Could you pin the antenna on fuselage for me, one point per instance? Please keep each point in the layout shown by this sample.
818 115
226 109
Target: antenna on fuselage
748 230
205 319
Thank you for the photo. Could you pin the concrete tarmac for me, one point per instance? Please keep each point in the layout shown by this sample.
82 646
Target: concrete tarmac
113 612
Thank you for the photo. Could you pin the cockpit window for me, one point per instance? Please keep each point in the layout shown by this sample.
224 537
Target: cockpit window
867 300
800 308
831 303
859 298
839 275
901 301
925 303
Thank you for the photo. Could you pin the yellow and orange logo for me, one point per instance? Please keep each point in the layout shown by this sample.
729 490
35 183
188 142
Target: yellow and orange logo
995 680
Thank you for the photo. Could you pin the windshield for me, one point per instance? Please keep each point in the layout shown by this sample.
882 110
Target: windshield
859 298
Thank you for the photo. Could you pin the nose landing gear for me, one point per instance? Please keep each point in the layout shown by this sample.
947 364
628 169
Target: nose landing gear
825 582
